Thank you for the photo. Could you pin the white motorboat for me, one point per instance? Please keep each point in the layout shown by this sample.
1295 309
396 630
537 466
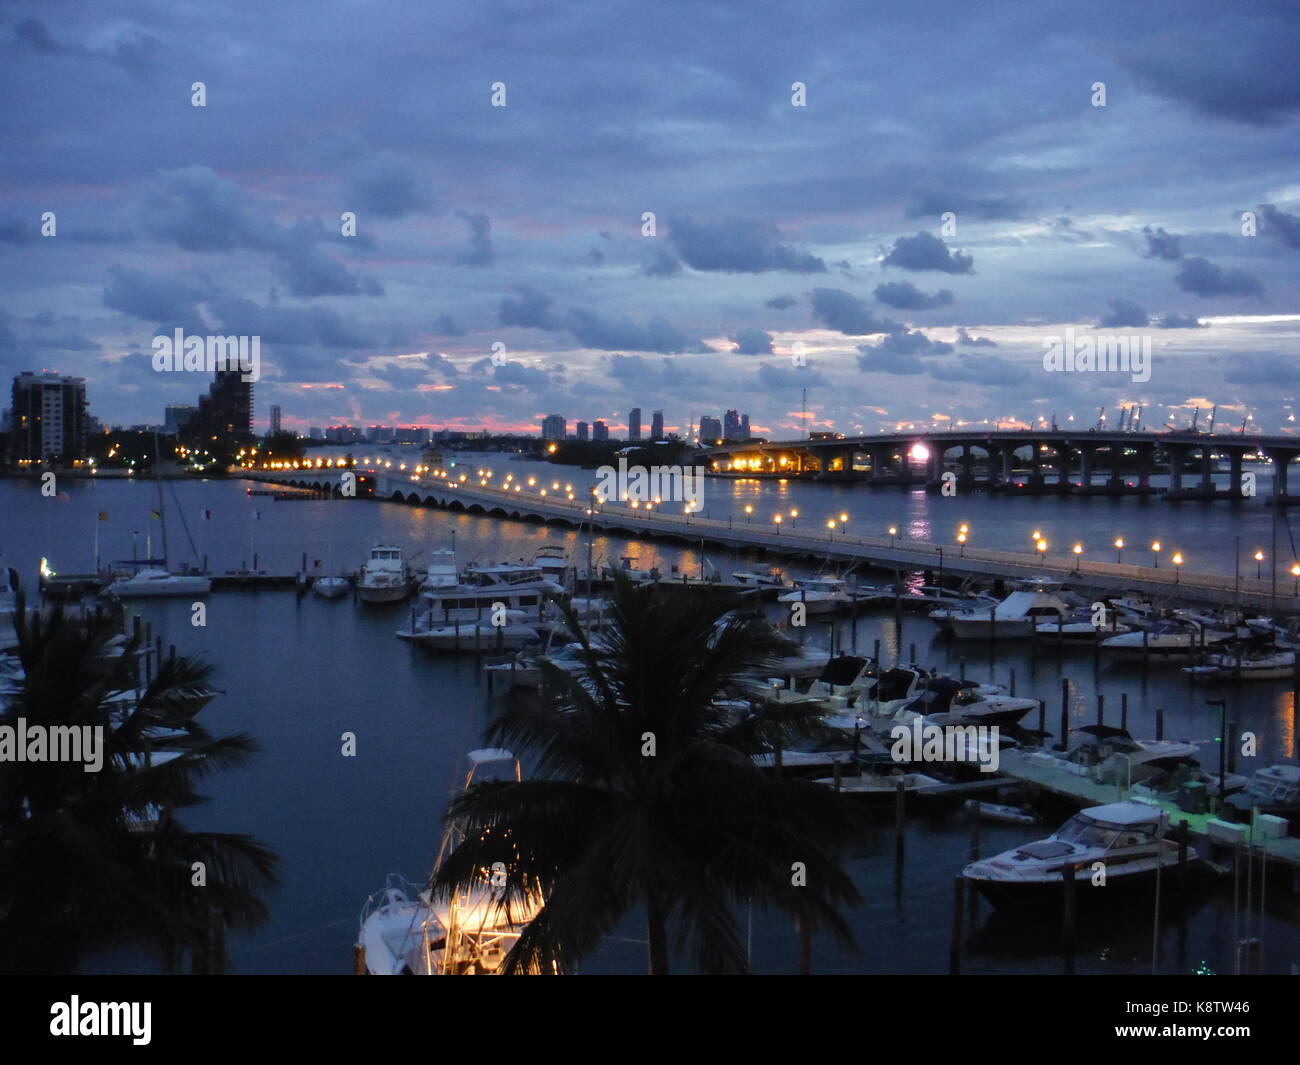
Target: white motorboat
1244 665
384 577
820 595
515 585
331 587
1274 790
1110 755
552 560
948 603
1007 815
151 583
441 573
763 577
964 703
1127 838
1078 628
628 568
880 785
1016 616
1170 640
406 931
475 636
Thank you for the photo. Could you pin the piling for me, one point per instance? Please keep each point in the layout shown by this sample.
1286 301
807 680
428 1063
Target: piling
1042 720
1160 722
1101 709
900 818
1123 711
1065 714
954 946
875 652
839 774
1013 683
912 653
1231 742
1071 905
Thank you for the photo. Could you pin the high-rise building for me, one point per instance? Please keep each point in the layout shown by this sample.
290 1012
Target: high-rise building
48 417
744 427
316 433
731 425
554 427
710 430
599 430
634 424
657 425
343 434
580 430
175 418
225 414
275 419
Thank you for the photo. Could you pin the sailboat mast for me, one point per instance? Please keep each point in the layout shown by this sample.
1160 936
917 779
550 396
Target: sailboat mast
162 506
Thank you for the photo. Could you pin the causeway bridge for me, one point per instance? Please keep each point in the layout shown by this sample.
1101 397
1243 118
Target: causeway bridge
1279 595
1030 461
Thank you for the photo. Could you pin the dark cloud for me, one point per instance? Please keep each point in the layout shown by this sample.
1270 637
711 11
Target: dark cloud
738 246
532 378
1174 320
1123 313
446 326
787 376
132 50
596 331
66 342
1203 278
901 364
966 340
387 186
312 326
1266 370
1162 245
151 297
907 297
991 370
934 204
481 252
913 342
928 252
753 342
781 303
530 309
662 263
16 231
1281 226
848 314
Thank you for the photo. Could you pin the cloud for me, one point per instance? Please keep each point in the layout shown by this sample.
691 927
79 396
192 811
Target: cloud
133 50
932 203
992 370
1269 370
913 342
738 246
151 297
907 297
445 325
1281 226
517 373
1203 278
16 231
1162 245
662 263
772 376
1177 321
847 313
781 303
928 252
530 309
752 342
1124 313
596 331
901 364
966 340
313 326
900 352
388 186
481 252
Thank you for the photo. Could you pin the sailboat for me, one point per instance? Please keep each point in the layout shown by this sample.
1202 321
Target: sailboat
333 586
151 581
406 931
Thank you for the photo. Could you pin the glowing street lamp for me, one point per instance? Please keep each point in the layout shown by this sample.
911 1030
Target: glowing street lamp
1078 556
1295 572
1259 560
748 511
777 519
1177 561
1041 547
830 524
1155 553
794 516
961 539
1119 549
893 531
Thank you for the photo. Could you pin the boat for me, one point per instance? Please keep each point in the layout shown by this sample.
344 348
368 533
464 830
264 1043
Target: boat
475 636
1007 815
1244 665
406 931
627 569
516 585
1274 790
441 573
152 583
941 604
1128 838
762 577
552 560
384 577
819 595
331 587
1168 640
1111 756
880 784
1078 628
1017 615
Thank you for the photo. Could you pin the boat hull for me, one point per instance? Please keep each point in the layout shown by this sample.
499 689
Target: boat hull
160 589
394 593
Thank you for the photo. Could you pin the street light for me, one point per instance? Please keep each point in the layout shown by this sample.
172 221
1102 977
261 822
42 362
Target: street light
1119 549
893 531
1155 553
748 511
1078 552
777 518
1177 561
1041 547
830 524
1295 572
1259 560
961 539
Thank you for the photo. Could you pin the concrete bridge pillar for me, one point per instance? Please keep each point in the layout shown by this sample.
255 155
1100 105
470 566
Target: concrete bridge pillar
1063 465
1008 456
967 475
1177 456
1234 483
1085 466
1207 468
1282 458
1036 464
1146 454
879 462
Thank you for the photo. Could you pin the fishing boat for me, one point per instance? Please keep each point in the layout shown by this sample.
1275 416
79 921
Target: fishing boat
407 931
384 577
1018 615
1127 837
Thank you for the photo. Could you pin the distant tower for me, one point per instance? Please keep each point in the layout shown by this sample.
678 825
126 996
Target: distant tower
634 424
599 430
657 425
275 419
554 427
580 430
731 426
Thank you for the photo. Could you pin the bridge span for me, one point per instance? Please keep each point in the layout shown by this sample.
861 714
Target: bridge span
1031 461
1171 584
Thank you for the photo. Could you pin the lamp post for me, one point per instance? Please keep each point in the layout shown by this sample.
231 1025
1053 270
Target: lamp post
961 539
1119 550
748 511
1222 704
893 531
1295 572
1177 561
794 516
777 519
1155 553
1078 556
1259 565
1041 547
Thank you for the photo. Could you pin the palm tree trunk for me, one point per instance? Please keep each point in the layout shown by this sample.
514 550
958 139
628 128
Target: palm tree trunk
657 935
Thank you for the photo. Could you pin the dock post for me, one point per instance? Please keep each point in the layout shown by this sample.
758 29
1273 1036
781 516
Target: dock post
875 652
1182 852
1146 647
1123 711
1101 709
954 946
1231 743
1160 722
1065 714
900 818
1042 720
912 660
853 625
839 774
1013 683
1069 888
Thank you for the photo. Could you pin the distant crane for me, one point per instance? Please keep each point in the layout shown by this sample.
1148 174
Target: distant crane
1213 411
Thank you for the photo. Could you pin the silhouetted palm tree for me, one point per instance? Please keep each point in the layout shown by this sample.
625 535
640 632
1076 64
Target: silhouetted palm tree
643 793
92 860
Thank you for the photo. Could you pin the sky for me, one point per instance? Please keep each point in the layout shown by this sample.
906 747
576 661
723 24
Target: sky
584 208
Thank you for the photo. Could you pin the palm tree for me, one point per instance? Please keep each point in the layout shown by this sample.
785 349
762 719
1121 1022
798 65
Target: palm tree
92 860
645 795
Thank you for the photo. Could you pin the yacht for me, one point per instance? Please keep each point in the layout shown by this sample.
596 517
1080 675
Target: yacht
441 572
150 583
407 931
1078 628
762 577
821 595
627 569
384 577
1275 790
475 636
948 602
1127 837
1110 755
1245 665
553 562
331 587
518 586
1016 616
960 702
880 784
1169 640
